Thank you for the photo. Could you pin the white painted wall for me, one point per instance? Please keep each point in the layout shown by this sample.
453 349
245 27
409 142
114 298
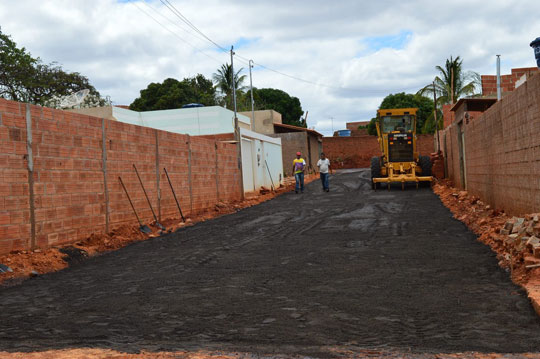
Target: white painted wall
196 121
264 167
247 165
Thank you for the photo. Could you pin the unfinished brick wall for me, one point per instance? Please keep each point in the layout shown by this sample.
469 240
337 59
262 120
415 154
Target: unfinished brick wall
74 189
502 151
508 82
356 152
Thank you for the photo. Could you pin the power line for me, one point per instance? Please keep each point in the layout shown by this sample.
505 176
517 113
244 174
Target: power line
200 38
190 24
185 20
175 34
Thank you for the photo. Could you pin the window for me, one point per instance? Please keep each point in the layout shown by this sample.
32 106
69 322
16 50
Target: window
396 123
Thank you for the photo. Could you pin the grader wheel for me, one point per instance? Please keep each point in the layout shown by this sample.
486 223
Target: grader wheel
375 171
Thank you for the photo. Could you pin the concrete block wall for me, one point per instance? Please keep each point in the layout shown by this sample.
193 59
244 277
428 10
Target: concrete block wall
450 149
356 152
292 142
315 149
502 151
73 189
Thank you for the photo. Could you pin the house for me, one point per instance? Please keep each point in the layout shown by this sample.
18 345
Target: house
195 121
293 138
474 106
467 109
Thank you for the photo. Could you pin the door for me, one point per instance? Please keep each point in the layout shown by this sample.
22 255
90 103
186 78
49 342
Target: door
247 165
258 165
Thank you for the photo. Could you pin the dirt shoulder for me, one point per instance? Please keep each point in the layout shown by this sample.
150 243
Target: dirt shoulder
19 265
512 238
340 353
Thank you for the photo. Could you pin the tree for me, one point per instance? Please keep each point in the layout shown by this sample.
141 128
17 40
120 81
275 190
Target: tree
403 100
26 79
173 94
16 70
280 101
223 83
429 124
453 83
372 127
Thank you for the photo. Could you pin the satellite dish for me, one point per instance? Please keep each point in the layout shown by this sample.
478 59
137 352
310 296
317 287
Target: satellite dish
73 100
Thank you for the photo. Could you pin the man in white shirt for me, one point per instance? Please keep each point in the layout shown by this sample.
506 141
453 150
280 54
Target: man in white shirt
324 167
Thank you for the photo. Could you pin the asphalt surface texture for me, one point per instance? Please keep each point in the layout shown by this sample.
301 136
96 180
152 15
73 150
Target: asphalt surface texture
300 274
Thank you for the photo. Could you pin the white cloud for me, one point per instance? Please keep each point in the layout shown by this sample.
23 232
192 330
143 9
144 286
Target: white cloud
121 50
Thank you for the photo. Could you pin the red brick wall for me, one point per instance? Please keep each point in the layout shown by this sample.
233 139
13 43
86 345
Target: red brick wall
448 116
502 151
70 195
508 82
14 189
356 152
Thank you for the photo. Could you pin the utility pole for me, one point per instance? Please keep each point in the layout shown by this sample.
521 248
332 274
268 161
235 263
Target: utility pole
435 117
233 88
252 103
452 85
499 77
331 118
237 135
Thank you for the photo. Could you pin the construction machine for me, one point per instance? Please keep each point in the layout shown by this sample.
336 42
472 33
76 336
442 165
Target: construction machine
399 162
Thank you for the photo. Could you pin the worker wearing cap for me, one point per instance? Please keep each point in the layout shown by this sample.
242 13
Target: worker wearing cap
299 166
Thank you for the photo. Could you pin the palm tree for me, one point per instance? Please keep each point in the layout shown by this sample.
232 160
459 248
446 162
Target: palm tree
453 83
223 82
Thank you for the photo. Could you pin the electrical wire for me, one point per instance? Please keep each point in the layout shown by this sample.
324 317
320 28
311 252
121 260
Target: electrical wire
244 60
176 35
190 24
200 38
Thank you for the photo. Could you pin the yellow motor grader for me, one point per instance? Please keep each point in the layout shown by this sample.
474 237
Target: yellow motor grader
400 162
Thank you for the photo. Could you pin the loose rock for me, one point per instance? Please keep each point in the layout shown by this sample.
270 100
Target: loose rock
4 268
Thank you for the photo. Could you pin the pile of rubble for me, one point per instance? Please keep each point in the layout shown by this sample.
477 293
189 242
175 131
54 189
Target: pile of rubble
521 238
516 240
437 165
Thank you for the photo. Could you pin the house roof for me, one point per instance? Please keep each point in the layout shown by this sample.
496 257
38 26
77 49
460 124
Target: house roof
478 102
296 128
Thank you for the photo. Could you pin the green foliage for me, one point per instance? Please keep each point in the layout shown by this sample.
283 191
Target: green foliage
403 100
429 124
223 83
280 101
173 94
372 127
452 83
26 79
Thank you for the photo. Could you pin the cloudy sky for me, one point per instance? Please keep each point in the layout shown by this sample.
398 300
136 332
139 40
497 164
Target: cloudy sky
342 56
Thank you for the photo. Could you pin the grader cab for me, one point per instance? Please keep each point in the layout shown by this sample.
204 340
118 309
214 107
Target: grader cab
400 162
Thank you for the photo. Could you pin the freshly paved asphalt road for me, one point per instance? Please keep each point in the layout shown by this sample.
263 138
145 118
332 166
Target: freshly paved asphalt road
299 274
